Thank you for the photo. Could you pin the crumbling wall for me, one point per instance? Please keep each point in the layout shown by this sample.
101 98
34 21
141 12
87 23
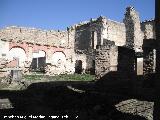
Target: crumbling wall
66 56
35 36
134 35
149 56
148 28
114 31
103 60
88 34
113 58
148 61
79 42
34 40
70 61
82 41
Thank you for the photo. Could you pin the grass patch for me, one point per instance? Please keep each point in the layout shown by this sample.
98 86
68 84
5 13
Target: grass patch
63 77
75 77
33 77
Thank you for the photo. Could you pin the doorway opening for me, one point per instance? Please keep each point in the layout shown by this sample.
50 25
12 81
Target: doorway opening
38 61
78 66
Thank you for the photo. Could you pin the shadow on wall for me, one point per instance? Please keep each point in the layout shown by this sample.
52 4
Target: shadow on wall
78 66
57 99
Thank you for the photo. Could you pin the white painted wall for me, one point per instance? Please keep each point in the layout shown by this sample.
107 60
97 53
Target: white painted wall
17 53
40 53
58 59
115 31
59 63
4 48
139 66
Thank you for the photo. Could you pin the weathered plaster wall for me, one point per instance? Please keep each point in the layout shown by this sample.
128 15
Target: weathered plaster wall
114 31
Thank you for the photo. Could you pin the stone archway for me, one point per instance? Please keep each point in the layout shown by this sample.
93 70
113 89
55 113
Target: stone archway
59 62
17 57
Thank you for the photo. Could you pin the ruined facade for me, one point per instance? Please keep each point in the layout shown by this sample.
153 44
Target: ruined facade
97 47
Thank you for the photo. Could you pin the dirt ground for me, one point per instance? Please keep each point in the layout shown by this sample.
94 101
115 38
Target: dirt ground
75 100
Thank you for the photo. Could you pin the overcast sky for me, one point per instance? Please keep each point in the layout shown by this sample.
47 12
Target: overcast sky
59 14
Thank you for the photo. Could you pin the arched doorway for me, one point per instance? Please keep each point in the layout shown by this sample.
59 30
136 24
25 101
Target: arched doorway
58 59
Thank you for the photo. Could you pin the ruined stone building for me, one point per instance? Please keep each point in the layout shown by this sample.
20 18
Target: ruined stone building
97 47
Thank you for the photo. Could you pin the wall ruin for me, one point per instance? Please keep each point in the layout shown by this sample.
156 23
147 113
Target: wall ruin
97 43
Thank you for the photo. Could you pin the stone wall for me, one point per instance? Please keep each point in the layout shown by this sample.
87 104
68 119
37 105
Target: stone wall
35 36
111 58
3 63
88 34
80 42
149 55
148 61
103 60
148 28
134 35
33 41
114 31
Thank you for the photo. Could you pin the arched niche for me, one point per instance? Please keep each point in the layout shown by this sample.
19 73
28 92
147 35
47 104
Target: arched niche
59 59
18 54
